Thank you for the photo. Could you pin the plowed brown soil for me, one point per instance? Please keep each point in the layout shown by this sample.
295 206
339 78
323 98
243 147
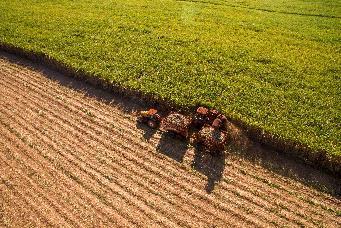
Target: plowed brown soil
72 155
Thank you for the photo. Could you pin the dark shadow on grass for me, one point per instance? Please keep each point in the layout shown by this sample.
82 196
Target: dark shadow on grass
212 166
172 146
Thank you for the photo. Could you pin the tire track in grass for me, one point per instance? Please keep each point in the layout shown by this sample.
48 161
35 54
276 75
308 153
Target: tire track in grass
268 10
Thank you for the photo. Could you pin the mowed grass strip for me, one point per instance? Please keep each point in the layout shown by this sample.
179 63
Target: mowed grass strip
271 64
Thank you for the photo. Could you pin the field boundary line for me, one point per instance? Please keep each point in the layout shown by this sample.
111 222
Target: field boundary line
319 159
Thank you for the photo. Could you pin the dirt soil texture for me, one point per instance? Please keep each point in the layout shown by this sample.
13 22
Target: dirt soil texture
73 155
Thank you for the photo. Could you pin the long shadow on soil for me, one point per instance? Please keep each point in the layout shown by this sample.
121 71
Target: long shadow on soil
148 132
212 166
175 148
242 147
172 147
283 164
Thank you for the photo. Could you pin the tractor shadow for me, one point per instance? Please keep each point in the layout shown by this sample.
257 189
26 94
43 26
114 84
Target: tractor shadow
172 146
148 132
212 166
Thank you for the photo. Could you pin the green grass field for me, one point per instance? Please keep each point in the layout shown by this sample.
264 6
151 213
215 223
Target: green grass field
272 64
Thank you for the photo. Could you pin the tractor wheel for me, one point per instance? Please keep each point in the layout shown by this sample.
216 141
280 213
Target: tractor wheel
152 124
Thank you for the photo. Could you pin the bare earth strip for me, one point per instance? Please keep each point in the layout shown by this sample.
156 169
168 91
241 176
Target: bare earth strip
72 155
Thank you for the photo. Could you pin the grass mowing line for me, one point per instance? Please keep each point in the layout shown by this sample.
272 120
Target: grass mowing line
219 3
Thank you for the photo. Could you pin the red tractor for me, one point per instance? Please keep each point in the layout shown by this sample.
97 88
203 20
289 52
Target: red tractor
150 117
213 125
205 116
